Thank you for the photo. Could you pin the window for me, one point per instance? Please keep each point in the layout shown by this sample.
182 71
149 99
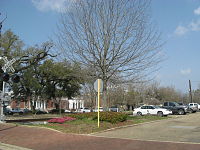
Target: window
166 104
150 107
171 104
144 107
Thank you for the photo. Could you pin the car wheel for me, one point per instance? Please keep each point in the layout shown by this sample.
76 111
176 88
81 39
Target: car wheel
139 113
181 112
191 111
160 113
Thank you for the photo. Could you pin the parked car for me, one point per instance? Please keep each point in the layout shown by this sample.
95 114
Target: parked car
16 110
113 109
83 110
180 103
27 111
7 111
176 108
151 110
198 106
67 111
193 107
96 109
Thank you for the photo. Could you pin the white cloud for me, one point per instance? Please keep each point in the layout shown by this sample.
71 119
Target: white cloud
192 26
52 5
197 11
195 26
185 71
181 30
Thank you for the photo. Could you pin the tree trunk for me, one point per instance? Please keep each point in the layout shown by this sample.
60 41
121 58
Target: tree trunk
32 105
60 107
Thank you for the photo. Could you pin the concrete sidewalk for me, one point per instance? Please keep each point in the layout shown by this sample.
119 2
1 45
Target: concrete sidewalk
11 147
45 139
184 129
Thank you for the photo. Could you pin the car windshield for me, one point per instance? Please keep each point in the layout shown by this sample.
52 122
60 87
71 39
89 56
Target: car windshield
176 104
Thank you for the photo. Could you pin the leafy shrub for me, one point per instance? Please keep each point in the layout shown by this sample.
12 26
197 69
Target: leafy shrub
84 115
61 120
112 117
38 112
57 111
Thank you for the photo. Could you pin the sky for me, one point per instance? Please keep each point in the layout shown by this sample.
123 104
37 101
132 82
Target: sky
178 21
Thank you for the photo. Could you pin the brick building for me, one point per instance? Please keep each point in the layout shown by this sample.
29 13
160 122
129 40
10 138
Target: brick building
47 105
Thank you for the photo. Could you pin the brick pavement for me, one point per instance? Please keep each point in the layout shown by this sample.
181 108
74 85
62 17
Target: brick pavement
45 139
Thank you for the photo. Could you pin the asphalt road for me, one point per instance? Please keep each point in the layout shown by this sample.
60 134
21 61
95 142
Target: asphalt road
185 128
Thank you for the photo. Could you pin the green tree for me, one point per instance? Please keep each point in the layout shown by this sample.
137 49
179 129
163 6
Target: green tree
27 60
60 80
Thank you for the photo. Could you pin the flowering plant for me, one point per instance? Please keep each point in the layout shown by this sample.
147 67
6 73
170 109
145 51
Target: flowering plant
61 120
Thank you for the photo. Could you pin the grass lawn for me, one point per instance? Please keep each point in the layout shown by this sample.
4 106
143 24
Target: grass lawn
87 126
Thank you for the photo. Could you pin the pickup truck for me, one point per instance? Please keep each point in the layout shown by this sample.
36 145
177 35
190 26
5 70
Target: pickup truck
176 108
193 107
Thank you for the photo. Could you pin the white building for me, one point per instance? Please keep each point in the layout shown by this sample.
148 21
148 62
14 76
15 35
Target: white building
75 104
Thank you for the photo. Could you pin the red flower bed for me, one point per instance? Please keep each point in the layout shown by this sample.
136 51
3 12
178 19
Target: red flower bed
61 120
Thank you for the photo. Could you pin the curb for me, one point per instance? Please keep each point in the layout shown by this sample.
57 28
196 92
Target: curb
4 146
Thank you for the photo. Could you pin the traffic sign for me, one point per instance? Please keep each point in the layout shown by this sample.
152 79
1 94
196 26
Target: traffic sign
8 64
96 85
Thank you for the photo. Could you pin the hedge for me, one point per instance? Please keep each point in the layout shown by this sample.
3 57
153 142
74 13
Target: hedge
112 117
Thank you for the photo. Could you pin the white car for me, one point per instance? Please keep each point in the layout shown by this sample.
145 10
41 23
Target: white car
85 109
151 110
67 111
96 109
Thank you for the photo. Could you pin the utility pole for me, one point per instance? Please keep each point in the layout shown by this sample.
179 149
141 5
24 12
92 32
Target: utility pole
1 25
190 91
3 86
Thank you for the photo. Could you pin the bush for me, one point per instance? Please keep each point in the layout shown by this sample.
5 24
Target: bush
57 111
39 112
112 117
61 120
84 115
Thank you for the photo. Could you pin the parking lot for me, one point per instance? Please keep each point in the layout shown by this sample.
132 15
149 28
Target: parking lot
181 128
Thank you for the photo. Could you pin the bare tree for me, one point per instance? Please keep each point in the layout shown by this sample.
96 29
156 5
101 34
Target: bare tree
116 37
